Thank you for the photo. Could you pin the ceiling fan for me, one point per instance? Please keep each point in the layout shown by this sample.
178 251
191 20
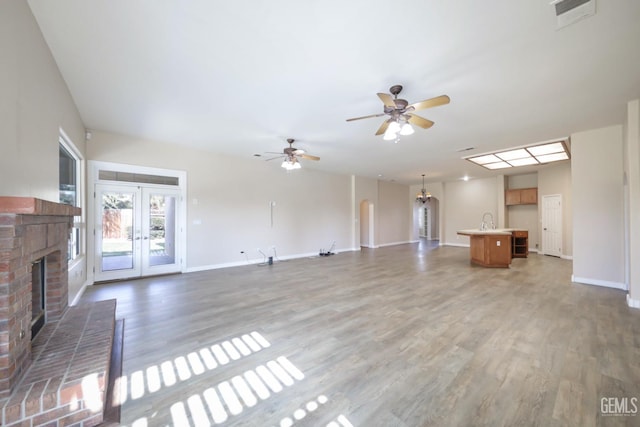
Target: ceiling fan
401 113
291 156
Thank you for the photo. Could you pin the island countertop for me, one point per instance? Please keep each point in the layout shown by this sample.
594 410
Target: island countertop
490 248
494 232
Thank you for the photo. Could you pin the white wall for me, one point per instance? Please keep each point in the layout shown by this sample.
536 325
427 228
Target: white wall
556 179
232 213
464 204
632 167
597 193
35 104
393 215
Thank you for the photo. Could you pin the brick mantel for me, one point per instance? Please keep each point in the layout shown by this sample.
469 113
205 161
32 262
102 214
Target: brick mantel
30 229
33 206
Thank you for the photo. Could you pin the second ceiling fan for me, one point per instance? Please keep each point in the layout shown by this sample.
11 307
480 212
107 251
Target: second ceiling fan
401 113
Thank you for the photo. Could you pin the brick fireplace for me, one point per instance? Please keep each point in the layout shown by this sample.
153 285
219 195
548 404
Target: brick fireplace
30 230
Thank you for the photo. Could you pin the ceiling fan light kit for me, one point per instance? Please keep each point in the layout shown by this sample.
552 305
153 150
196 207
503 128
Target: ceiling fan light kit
291 156
401 115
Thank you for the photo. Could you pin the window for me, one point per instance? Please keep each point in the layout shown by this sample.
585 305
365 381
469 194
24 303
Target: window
70 174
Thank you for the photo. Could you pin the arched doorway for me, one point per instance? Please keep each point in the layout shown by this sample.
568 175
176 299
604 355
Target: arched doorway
428 219
367 221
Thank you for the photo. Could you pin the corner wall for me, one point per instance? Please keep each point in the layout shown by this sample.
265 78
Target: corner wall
598 207
632 167
34 104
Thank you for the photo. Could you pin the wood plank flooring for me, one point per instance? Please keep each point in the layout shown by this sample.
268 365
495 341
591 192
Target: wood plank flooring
409 335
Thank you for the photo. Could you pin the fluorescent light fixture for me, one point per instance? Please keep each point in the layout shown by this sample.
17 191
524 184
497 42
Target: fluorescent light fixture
544 152
483 160
523 162
497 165
513 154
540 150
547 158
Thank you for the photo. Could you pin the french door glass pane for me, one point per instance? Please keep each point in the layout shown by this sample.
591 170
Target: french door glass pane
162 236
117 231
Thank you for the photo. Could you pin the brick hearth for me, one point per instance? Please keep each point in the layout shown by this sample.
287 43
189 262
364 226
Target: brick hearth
42 382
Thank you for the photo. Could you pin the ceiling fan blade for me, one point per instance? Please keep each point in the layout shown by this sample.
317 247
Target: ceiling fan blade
298 151
274 158
419 121
387 100
433 102
366 117
383 127
309 157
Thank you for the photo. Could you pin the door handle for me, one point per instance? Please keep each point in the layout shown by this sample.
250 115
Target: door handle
545 229
137 238
146 238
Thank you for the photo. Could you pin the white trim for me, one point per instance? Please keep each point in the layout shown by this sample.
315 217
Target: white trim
569 257
457 245
382 245
76 299
598 282
94 167
633 303
261 262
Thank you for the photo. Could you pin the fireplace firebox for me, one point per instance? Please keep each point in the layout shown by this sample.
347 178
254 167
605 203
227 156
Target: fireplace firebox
38 296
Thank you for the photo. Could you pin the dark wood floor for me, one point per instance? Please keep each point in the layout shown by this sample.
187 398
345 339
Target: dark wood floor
409 335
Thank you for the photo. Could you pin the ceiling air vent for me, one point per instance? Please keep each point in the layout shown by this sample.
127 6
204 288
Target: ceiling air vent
570 11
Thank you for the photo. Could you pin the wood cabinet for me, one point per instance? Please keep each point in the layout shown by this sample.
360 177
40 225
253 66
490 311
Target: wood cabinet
521 196
520 244
490 250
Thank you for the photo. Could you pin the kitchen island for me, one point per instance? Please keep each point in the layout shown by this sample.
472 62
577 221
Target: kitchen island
490 248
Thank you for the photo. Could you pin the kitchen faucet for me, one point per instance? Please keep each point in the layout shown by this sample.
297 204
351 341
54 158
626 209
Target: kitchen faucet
490 225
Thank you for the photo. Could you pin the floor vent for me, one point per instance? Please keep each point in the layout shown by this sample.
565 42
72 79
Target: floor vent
570 11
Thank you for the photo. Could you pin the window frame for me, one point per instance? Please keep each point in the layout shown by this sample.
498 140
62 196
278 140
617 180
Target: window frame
77 236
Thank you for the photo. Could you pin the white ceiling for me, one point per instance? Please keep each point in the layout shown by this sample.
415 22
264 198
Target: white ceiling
239 77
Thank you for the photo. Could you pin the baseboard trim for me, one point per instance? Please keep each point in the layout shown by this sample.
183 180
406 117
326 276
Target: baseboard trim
457 245
261 262
76 299
598 282
394 243
633 303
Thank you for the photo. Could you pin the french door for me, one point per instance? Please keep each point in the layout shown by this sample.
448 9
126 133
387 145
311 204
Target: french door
136 231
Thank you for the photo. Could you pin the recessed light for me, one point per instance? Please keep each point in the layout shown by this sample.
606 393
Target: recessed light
465 178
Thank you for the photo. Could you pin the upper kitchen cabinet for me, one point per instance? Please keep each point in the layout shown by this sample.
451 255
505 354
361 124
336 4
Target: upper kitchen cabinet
521 196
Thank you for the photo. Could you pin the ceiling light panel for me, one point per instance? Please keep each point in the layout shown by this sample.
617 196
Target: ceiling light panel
514 154
498 165
523 162
540 150
482 160
523 156
552 157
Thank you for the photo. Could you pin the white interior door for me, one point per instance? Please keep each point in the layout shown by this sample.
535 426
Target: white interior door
136 229
552 225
